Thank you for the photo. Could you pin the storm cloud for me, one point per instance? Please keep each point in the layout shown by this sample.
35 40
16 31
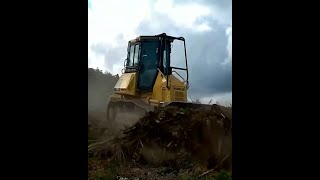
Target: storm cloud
209 52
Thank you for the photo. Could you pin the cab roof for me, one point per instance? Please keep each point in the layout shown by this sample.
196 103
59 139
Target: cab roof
156 37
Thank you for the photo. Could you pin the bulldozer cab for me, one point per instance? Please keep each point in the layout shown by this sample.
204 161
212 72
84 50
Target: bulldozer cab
147 54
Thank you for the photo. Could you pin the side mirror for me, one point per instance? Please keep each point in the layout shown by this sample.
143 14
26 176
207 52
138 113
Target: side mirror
124 62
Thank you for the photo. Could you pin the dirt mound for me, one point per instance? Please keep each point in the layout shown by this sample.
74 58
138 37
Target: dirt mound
175 137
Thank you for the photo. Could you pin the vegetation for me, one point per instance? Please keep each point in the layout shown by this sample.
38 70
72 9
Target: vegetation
100 86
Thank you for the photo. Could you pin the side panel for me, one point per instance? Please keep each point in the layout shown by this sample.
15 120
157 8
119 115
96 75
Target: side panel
177 92
126 84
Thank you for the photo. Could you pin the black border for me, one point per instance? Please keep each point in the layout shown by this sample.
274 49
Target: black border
271 133
45 64
252 132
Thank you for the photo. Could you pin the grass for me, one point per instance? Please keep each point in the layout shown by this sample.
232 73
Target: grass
222 175
108 171
105 170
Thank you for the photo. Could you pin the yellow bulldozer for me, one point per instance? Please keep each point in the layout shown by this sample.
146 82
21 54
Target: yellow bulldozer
148 80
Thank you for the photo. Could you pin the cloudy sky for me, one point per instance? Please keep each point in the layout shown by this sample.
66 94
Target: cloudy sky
205 24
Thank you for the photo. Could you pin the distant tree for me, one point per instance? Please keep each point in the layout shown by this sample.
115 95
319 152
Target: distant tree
100 86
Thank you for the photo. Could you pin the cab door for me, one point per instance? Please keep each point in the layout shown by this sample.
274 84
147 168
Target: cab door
149 61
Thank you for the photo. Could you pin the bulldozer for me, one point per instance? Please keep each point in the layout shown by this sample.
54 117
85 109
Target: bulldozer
148 81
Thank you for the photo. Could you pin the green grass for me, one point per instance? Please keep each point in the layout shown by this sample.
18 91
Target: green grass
224 175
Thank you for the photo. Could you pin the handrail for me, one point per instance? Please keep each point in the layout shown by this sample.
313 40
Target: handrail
180 76
185 55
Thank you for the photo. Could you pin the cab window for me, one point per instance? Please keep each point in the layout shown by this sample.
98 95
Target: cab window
136 55
130 62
